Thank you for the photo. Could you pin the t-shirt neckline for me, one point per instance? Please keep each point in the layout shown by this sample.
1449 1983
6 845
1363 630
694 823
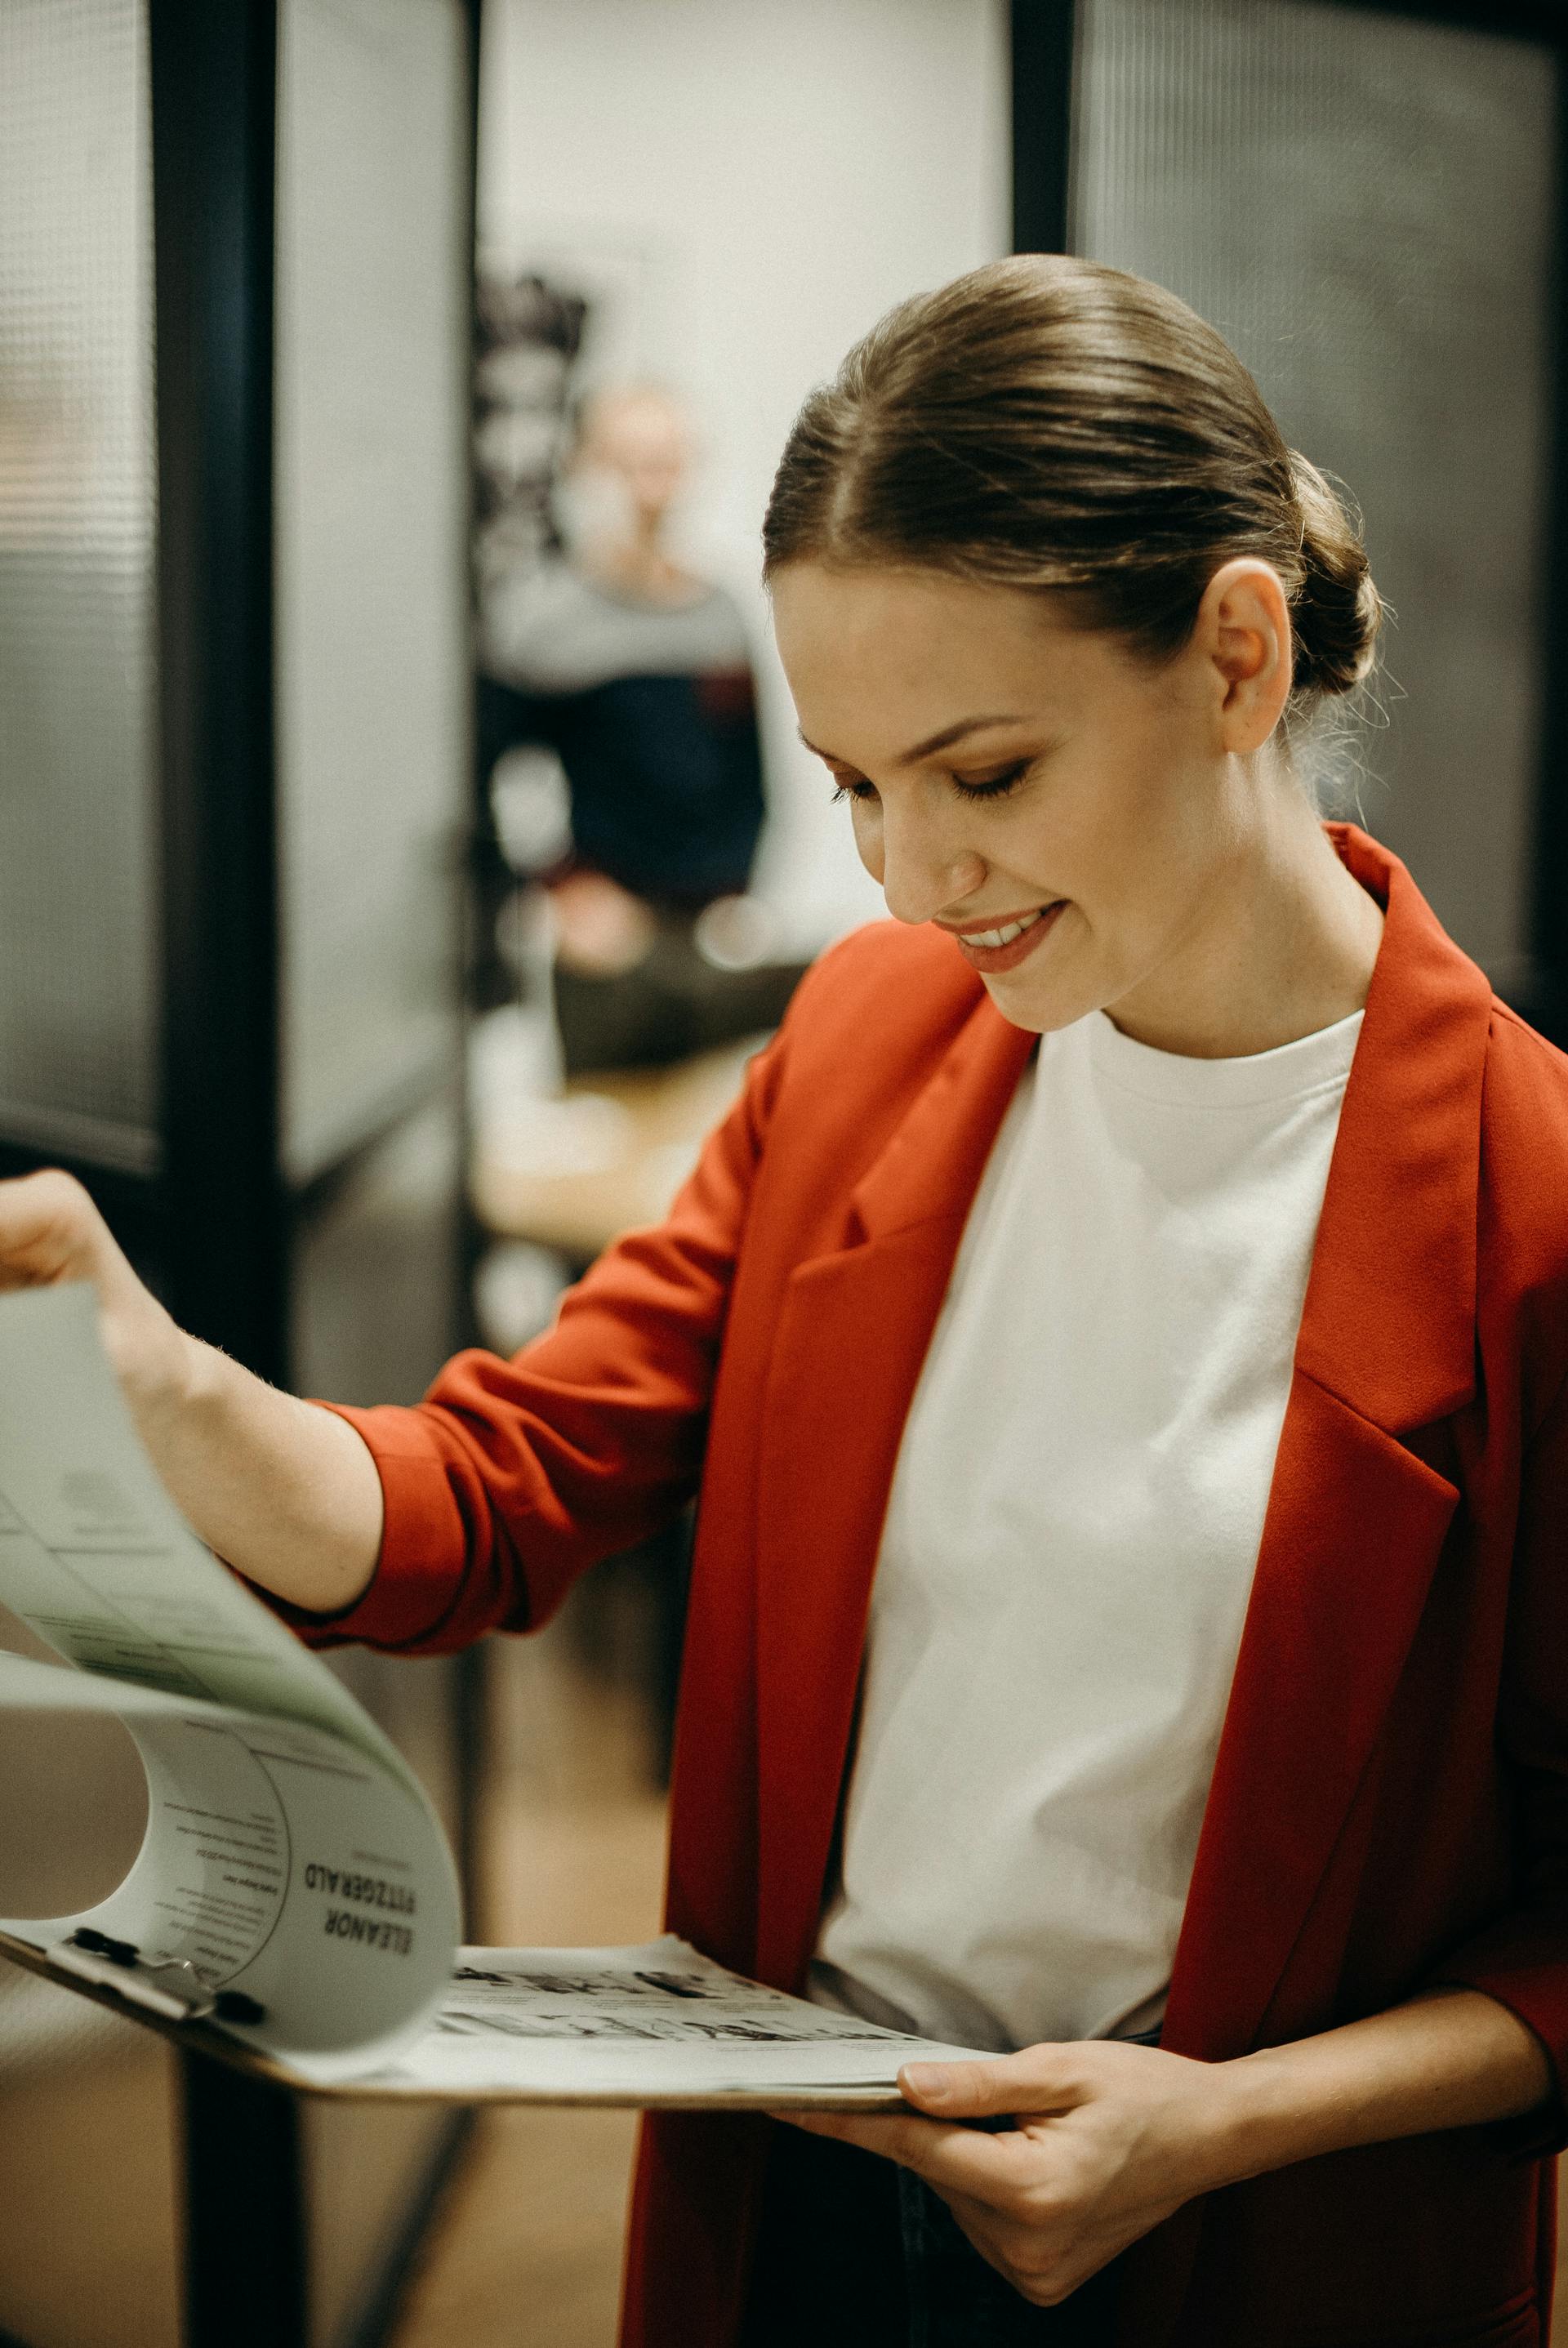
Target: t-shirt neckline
1289 1072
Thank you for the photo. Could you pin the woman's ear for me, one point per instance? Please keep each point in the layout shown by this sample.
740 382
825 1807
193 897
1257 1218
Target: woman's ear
1243 632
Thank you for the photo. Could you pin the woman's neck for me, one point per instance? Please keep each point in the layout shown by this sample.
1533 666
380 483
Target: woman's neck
1284 945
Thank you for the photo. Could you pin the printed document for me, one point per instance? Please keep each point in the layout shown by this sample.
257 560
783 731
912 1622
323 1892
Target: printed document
294 1891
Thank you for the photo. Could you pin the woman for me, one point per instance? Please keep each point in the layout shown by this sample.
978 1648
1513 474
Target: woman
1145 1253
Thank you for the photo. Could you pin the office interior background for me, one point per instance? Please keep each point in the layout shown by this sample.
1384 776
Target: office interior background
302 307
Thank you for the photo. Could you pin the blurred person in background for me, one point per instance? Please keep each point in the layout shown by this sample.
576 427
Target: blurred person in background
637 673
1121 1339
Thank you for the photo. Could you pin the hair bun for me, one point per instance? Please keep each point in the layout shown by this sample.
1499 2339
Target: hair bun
1047 423
1336 611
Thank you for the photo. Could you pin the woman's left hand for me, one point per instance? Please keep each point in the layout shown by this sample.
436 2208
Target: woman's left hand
1106 2141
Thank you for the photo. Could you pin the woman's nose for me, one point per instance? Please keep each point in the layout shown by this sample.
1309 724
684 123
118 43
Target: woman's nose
922 877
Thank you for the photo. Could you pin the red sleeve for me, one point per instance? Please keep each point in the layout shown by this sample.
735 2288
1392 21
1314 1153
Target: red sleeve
510 1477
1521 1957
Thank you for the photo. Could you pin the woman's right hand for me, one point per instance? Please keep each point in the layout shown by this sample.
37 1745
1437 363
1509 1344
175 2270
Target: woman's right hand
50 1232
287 1493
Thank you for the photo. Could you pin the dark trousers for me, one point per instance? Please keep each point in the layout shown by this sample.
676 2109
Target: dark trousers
852 2252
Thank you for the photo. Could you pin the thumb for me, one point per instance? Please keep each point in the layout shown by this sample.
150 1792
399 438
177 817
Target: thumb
1002 2084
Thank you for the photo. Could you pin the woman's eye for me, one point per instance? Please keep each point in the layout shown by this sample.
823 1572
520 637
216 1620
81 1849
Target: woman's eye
994 787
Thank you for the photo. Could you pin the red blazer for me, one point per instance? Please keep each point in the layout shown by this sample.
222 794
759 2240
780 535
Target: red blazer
1390 1803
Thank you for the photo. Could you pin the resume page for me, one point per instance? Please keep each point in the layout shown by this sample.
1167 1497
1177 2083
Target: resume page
291 1862
294 1887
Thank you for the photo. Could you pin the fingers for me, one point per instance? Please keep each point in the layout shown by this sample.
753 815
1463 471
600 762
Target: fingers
1044 2265
891 2135
47 1224
1009 2238
1019 2194
951 2160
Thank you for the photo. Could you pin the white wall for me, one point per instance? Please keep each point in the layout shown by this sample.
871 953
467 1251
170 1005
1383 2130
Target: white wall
752 182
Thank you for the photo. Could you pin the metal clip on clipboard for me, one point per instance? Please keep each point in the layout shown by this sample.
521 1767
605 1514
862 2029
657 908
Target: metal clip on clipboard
170 1987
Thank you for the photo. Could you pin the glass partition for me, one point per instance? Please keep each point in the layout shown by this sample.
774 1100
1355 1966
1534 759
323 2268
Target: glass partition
374 293
1362 202
77 928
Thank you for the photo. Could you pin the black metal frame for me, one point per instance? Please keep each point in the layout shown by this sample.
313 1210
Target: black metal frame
1042 110
1041 44
244 2169
216 1228
245 2266
213 80
213 76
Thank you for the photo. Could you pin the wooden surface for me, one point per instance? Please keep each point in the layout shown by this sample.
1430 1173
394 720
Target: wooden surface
608 1156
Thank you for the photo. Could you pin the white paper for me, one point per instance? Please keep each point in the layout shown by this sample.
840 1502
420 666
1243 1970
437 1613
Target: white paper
652 2023
291 1854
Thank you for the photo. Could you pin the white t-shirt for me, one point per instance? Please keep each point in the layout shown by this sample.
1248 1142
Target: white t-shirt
1070 1540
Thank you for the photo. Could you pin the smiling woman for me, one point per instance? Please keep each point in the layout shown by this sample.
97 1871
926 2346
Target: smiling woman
1047 507
1135 813
1120 1342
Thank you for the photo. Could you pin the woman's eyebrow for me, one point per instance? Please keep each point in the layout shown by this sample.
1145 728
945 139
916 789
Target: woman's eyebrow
942 741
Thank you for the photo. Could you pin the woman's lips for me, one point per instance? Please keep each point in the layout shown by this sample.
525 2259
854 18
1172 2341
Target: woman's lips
992 959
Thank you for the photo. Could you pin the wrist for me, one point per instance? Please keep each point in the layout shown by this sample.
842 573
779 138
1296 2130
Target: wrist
1448 2058
1252 2123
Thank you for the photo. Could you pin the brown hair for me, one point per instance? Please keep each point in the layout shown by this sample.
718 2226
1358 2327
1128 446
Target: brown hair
1047 423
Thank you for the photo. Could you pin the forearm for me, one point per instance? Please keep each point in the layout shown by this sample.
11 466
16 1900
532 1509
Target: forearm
1453 2059
287 1492
282 1490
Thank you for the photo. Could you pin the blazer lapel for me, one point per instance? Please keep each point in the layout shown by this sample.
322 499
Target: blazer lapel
848 1348
1356 1520
1353 1531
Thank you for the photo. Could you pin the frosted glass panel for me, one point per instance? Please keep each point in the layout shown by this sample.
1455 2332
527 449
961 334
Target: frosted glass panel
78 1006
1362 203
372 340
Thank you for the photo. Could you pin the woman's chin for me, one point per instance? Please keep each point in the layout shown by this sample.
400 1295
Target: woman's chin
1029 999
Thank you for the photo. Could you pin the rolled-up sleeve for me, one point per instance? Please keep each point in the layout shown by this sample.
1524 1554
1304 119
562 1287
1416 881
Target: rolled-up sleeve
511 1477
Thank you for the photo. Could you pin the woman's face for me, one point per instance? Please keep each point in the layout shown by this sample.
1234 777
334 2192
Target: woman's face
1076 818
